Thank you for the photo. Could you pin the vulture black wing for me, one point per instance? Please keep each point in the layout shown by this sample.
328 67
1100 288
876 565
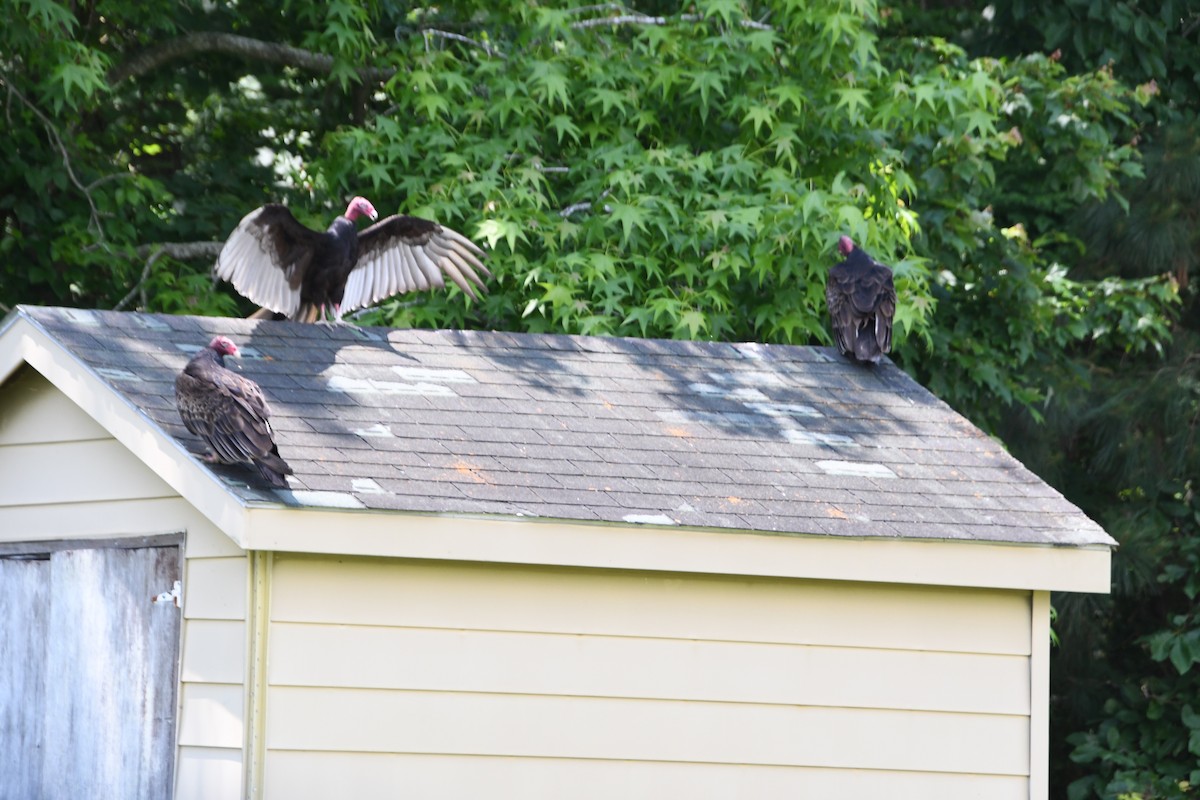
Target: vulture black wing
268 256
861 298
402 254
231 415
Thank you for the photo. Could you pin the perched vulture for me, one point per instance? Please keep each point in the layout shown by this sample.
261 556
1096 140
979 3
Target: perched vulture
228 412
292 270
862 302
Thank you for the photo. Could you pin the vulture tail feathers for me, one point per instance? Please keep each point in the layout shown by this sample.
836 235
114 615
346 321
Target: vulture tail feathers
308 312
866 347
273 468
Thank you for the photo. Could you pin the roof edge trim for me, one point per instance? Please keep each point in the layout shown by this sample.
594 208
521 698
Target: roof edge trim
967 563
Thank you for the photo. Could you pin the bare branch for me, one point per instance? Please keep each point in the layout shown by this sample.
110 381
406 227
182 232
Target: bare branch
137 287
153 252
1190 25
103 179
642 19
745 23
458 37
575 208
231 44
181 250
585 206
624 19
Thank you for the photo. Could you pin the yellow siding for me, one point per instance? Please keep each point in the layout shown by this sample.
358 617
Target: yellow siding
72 472
208 772
215 652
317 776
217 588
499 597
463 677
646 730
677 669
34 412
115 518
212 715
63 477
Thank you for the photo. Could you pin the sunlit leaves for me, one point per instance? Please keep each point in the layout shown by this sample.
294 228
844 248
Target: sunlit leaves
682 178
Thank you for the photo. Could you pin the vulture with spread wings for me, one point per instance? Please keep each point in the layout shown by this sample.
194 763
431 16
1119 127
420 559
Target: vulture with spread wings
290 269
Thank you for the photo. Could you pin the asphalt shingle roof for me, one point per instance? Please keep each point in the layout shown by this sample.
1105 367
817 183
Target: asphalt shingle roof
713 435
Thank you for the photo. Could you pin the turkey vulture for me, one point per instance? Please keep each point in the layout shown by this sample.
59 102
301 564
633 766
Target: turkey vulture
228 412
862 301
300 273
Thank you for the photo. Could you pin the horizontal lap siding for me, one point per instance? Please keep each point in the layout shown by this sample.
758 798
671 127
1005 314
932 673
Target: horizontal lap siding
205 773
75 472
301 776
621 682
62 476
610 602
645 730
676 669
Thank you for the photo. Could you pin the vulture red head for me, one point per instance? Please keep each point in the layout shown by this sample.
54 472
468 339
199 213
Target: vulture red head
361 206
845 245
224 346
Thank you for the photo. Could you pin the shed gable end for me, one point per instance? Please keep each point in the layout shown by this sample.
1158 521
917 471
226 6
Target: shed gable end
62 475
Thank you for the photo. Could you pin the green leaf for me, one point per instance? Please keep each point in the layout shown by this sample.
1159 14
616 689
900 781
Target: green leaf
630 217
564 126
1189 717
1181 657
549 83
493 231
693 322
760 116
854 102
706 83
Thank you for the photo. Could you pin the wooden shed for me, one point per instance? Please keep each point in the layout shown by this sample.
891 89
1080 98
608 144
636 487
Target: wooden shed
515 566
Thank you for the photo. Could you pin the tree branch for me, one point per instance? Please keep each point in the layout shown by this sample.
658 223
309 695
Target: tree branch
138 286
642 19
458 37
1190 25
624 19
231 44
180 250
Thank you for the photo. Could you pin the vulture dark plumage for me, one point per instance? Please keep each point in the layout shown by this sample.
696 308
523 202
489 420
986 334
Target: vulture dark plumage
290 269
228 412
862 302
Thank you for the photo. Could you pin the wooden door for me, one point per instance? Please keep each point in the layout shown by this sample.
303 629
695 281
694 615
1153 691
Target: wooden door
88 672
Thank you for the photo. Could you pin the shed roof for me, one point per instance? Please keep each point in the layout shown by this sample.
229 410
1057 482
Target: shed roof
713 435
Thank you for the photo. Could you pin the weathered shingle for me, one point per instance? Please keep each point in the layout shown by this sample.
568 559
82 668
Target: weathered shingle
712 435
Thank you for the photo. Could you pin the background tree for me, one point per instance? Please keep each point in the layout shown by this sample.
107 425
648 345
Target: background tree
1120 438
684 170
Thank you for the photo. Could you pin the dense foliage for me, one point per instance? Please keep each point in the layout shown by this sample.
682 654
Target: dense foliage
1119 437
684 170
